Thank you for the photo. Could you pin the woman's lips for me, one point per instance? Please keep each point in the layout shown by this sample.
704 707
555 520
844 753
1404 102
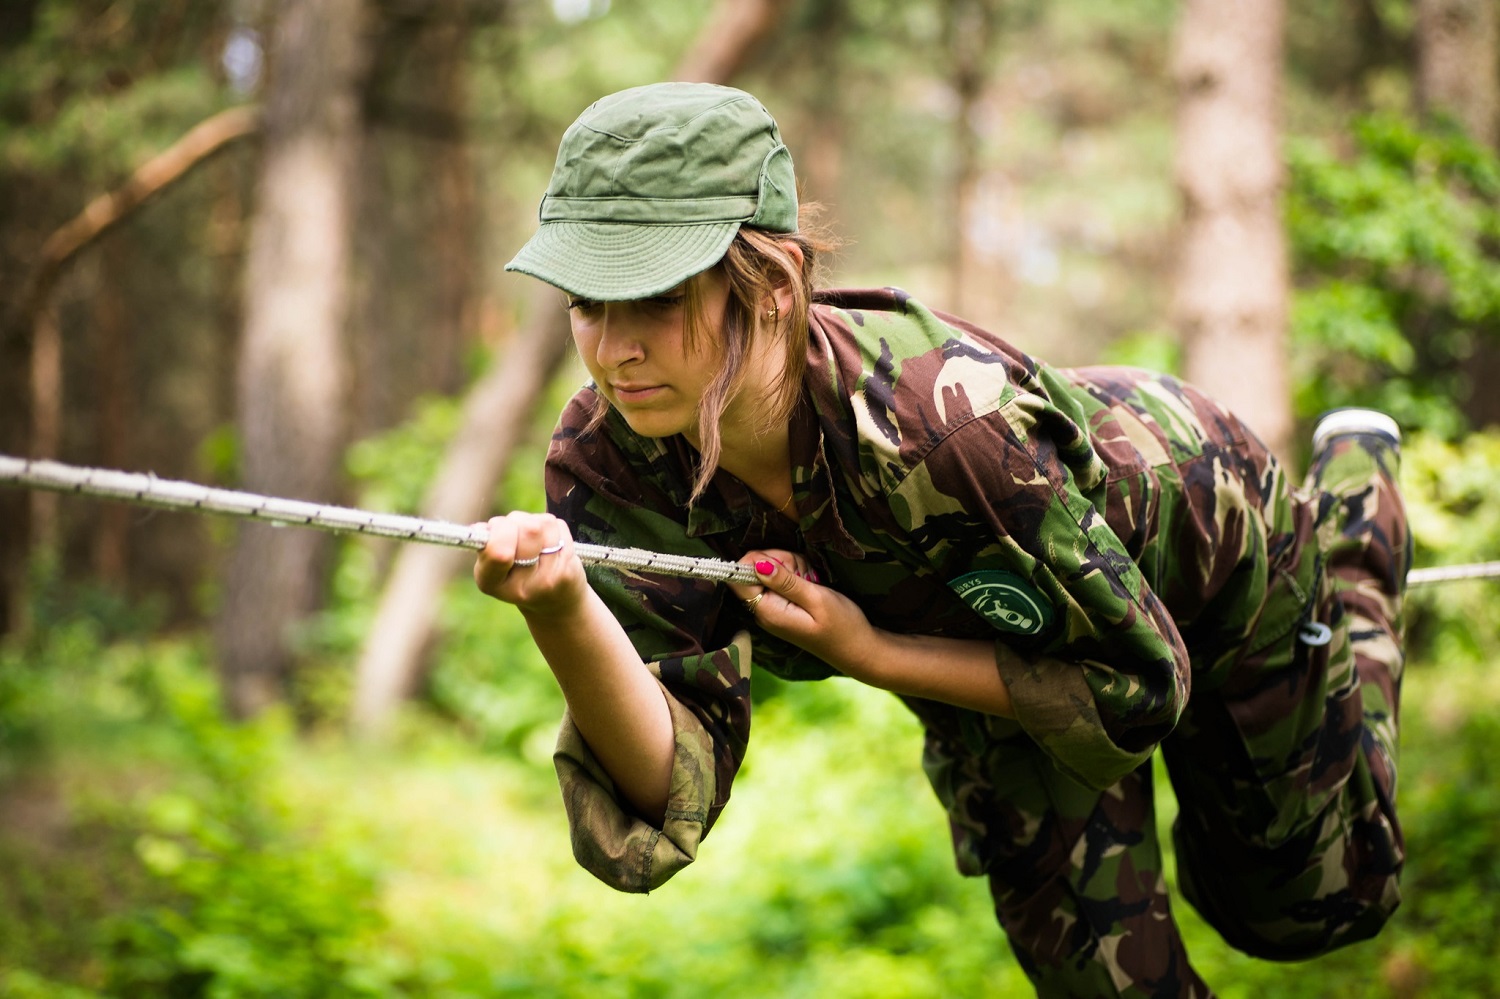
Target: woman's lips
635 392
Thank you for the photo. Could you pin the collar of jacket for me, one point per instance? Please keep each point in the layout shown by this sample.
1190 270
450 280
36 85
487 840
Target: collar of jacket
729 506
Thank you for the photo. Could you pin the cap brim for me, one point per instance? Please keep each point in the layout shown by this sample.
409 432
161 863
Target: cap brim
618 262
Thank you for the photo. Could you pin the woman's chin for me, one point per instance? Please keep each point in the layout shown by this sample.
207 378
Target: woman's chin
652 424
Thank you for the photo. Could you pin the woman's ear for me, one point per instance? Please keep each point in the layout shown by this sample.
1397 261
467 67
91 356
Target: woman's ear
782 292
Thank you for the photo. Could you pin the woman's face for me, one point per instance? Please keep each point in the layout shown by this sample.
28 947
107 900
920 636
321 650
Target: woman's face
638 354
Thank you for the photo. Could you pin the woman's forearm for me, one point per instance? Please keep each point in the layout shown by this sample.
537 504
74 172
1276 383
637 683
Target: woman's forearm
961 672
616 703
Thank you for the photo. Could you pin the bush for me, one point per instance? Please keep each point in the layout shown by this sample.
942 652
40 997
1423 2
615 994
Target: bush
1395 252
255 907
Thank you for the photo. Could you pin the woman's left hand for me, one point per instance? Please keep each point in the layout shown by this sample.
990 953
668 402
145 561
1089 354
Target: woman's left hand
791 604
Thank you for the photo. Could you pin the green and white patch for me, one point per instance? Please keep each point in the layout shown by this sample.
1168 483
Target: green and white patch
1005 600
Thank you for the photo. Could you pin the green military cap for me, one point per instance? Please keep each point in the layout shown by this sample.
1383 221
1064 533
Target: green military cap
650 186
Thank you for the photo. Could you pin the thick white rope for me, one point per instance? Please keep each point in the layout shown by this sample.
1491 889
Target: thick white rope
148 490
1450 573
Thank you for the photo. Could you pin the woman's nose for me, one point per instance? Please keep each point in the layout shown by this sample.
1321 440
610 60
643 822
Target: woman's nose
619 342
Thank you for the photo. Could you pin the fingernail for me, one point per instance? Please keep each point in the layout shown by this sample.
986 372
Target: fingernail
765 567
813 576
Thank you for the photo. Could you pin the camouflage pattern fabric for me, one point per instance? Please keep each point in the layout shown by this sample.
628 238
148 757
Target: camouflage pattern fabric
1149 578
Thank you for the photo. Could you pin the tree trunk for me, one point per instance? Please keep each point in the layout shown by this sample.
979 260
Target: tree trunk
16 21
1230 300
733 34
1458 75
15 504
46 421
291 387
113 412
495 417
977 283
418 228
820 167
1457 66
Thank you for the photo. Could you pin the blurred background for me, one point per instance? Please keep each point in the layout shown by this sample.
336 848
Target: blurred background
259 244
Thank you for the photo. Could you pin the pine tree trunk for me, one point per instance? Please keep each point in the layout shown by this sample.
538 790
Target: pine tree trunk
1457 69
291 388
1230 299
979 281
418 236
820 163
1458 75
113 411
734 32
15 504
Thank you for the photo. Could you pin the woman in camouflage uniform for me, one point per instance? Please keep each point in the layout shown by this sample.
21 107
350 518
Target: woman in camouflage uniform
1059 571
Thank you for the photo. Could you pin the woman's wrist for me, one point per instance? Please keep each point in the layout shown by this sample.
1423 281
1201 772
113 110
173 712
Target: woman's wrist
558 608
865 657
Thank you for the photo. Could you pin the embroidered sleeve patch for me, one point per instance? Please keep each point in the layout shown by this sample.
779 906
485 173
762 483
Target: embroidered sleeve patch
1005 600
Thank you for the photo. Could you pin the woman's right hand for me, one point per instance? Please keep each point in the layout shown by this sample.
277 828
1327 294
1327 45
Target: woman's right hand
552 584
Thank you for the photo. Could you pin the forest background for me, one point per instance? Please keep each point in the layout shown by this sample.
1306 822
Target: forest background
259 244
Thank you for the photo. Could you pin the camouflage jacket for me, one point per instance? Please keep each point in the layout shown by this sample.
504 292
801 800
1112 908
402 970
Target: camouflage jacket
1114 528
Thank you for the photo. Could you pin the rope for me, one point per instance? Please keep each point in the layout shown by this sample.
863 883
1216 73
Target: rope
148 490
1449 573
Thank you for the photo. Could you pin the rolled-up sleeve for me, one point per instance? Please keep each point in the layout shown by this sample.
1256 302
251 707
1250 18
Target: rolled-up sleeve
1107 676
619 847
700 657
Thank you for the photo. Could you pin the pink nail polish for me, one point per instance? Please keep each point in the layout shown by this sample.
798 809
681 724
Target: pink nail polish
765 567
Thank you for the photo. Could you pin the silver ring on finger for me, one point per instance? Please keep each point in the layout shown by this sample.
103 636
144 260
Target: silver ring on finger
552 549
526 563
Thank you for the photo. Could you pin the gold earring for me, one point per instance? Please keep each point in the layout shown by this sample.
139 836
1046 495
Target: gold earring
773 313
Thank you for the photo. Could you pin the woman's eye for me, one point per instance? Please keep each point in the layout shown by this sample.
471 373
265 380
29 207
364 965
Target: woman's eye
583 305
665 301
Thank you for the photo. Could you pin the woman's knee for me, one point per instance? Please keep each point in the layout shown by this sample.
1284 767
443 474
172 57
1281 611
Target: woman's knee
1291 904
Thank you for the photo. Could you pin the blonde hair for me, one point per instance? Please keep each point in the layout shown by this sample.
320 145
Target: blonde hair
756 264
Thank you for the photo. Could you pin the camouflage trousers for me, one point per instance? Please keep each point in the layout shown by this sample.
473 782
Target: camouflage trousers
1284 769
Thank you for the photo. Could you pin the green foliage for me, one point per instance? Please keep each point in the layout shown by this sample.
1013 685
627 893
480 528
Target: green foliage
392 470
99 87
29 985
268 863
1154 351
72 666
1397 252
255 909
487 673
228 893
1453 815
1450 490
